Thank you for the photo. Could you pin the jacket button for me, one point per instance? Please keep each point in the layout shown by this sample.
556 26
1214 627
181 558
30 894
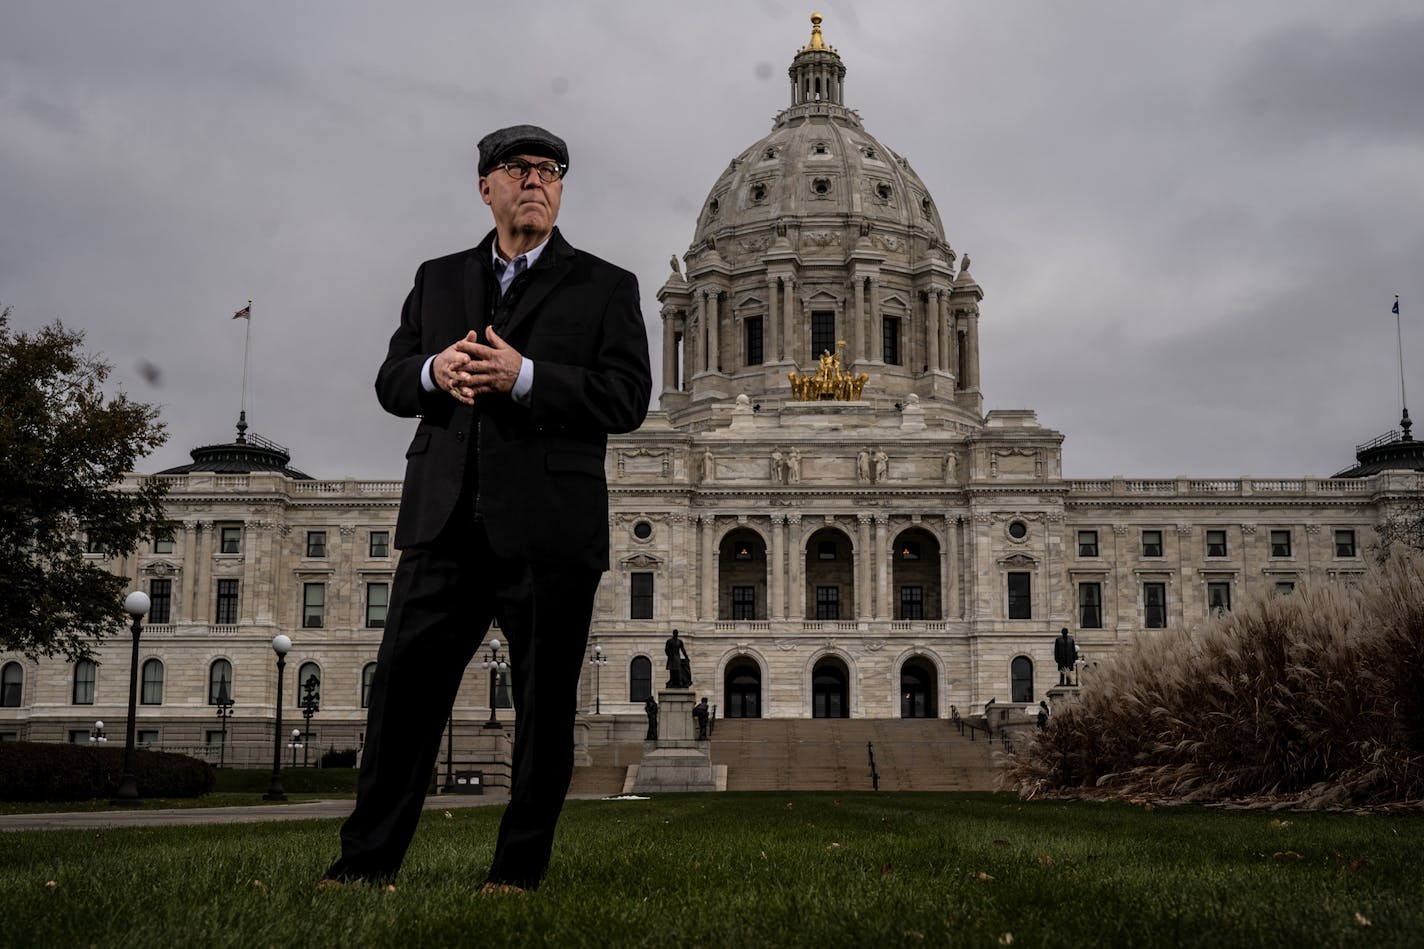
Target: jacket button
459 436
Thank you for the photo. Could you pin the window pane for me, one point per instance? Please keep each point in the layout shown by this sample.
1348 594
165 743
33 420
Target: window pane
754 341
828 602
313 605
163 540
743 603
84 674
316 543
219 682
380 544
160 597
890 339
376 600
227 603
1090 605
912 603
1216 543
12 682
1154 600
1218 597
823 334
1019 596
640 603
640 679
1087 543
1151 543
1344 543
152 683
230 540
1280 543
368 678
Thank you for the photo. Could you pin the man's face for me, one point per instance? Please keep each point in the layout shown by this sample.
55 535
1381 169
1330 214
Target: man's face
529 207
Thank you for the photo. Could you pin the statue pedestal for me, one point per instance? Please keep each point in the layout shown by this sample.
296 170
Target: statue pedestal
1060 695
677 760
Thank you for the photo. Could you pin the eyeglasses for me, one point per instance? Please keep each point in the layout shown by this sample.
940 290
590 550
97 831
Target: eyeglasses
518 169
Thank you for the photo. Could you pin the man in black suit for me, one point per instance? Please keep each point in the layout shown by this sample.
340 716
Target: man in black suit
519 357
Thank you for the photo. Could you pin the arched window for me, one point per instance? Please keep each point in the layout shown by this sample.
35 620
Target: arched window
829 695
85 672
743 688
152 683
640 679
1021 679
12 684
308 690
368 678
219 682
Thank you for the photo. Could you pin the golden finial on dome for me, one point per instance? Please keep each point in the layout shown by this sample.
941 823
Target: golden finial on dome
816 41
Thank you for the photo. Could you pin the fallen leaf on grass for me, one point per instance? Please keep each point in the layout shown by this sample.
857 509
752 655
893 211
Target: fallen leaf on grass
983 876
259 885
1286 856
833 846
1045 860
390 887
449 816
1007 939
51 884
763 854
1360 919
1277 822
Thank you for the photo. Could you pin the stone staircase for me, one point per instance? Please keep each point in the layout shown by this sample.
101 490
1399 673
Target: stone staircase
823 754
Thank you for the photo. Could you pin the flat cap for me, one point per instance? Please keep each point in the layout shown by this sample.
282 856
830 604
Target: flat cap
521 140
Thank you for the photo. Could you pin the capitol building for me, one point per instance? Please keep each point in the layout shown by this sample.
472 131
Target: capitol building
819 505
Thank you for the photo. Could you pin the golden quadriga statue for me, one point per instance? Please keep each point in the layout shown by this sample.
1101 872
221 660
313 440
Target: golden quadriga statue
830 382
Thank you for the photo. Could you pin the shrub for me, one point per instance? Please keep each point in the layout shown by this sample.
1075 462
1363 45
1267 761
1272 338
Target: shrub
339 759
256 781
42 771
1314 699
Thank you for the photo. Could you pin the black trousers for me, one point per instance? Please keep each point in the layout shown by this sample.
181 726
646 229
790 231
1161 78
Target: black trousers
442 600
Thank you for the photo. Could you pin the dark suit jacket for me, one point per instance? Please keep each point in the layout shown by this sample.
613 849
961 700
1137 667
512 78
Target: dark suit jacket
540 483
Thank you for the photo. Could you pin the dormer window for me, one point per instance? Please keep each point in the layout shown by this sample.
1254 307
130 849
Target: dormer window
712 207
758 193
883 191
869 153
820 149
821 186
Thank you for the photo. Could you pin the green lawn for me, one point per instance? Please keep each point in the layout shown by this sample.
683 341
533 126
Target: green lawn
798 869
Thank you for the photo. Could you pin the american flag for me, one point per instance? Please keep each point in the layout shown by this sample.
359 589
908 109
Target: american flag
245 313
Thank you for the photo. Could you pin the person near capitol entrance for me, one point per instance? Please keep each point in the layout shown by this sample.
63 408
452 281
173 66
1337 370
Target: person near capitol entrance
519 357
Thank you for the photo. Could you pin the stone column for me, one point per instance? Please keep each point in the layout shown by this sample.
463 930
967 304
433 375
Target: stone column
946 570
788 320
864 569
877 335
776 570
183 597
773 323
946 333
796 563
202 572
669 352
714 331
971 356
694 343
882 579
858 315
932 316
709 568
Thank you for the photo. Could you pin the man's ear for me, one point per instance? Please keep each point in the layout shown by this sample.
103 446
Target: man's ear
484 189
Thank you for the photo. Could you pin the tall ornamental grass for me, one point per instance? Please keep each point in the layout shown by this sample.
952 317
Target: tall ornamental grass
1310 700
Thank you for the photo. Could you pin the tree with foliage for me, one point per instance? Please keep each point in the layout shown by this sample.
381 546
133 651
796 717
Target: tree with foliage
1403 527
64 449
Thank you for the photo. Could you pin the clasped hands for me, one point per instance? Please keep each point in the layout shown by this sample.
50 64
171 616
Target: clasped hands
468 368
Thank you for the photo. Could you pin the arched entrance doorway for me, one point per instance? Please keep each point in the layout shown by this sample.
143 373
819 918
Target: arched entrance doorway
741 577
1021 679
916 575
743 690
830 694
830 576
917 689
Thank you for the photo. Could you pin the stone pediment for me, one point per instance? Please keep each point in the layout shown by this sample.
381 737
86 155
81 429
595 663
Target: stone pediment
645 561
161 568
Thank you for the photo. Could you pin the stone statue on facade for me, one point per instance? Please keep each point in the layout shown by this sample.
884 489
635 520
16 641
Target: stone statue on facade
778 466
882 465
951 468
701 714
862 466
679 666
793 467
650 708
1065 654
709 466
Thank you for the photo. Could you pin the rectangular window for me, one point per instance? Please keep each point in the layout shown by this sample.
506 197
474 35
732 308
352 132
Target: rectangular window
92 543
79 736
1345 543
1087 543
313 605
826 550
1216 543
743 603
754 346
912 603
163 540
1151 543
1090 605
227 603
146 737
823 334
1280 544
316 543
1285 587
214 738
640 597
1020 606
84 672
377 595
380 543
1154 605
160 596
828 602
890 339
230 540
1218 596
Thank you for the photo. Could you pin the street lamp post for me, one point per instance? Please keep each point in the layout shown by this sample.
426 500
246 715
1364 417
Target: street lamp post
495 664
281 645
296 743
136 605
98 734
598 660
311 704
224 704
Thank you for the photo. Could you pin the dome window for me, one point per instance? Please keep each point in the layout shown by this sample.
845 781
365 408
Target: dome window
821 185
758 193
712 207
820 149
769 154
925 207
883 191
869 153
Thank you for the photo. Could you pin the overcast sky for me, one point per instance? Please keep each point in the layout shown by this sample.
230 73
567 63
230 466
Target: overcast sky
1189 219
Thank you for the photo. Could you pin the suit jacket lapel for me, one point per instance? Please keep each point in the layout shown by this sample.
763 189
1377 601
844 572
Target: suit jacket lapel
477 288
543 278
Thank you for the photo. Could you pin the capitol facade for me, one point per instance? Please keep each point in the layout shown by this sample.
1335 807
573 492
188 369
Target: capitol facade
820 506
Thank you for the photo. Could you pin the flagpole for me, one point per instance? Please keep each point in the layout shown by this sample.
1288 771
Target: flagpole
1404 422
246 352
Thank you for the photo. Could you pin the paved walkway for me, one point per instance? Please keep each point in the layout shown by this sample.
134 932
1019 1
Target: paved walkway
141 817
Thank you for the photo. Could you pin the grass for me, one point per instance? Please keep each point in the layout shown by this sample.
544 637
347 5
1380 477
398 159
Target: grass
216 799
790 869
